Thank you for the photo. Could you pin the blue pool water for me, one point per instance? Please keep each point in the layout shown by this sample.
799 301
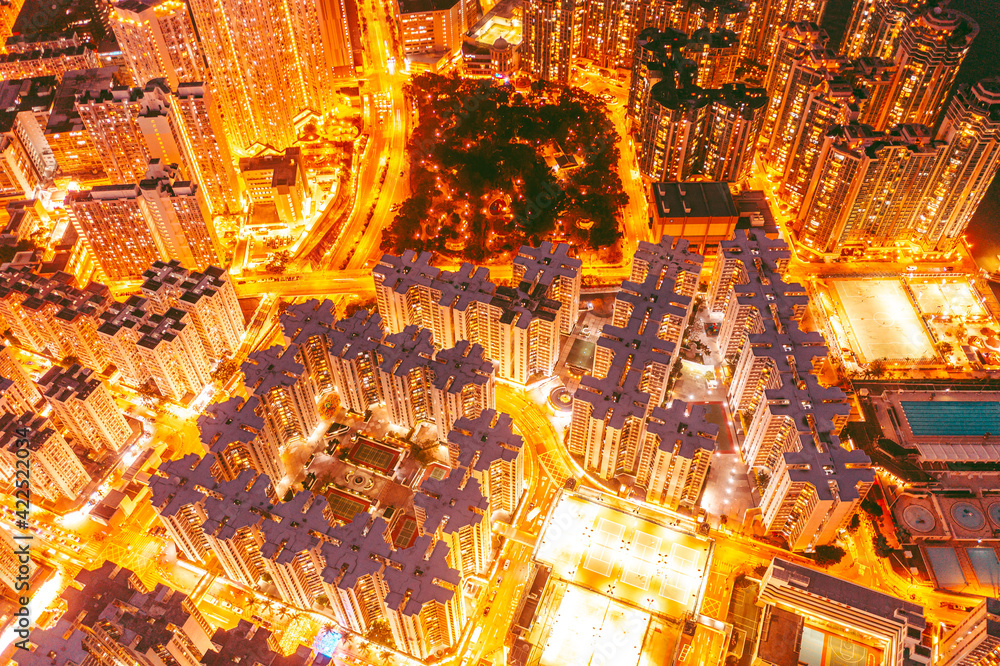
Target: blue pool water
957 419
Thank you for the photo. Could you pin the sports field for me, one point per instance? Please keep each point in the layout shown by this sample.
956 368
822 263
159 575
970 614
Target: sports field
624 556
882 320
949 297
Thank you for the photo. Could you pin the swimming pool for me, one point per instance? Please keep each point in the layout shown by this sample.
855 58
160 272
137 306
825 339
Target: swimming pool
957 418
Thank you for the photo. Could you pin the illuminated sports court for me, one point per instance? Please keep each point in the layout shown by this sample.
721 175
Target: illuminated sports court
630 558
820 648
882 320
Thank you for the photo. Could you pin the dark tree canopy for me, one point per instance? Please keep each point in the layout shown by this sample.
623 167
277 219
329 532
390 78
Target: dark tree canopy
480 182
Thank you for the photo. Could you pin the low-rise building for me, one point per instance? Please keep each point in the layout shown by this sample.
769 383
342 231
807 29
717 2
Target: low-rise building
840 606
281 181
702 213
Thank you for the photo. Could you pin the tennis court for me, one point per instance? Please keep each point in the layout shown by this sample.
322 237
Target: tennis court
374 455
947 298
345 506
641 567
602 554
628 557
882 320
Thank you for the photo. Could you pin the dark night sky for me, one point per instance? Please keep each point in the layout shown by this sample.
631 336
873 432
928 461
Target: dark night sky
983 60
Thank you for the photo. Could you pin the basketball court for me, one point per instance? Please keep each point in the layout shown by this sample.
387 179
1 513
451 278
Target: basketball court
822 649
623 555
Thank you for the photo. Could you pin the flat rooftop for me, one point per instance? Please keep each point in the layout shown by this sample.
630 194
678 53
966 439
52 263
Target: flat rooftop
633 559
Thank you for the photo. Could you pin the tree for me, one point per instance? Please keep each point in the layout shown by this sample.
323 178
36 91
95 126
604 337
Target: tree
877 368
379 632
828 555
148 393
871 507
7 252
69 360
852 527
881 545
945 348
278 261
225 370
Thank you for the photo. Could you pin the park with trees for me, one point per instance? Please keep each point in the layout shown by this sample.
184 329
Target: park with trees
482 177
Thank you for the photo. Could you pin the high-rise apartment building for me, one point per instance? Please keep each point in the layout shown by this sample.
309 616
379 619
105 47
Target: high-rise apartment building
19 393
9 9
111 219
353 361
56 471
162 348
687 132
618 425
931 49
660 454
83 406
869 187
735 116
284 399
671 128
10 563
432 30
794 41
270 61
650 315
110 118
791 422
112 617
76 156
551 266
128 227
489 451
403 371
553 35
158 40
875 26
33 62
518 327
52 316
177 216
652 47
208 297
131 126
975 641
715 55
205 147
405 566
969 162
767 17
